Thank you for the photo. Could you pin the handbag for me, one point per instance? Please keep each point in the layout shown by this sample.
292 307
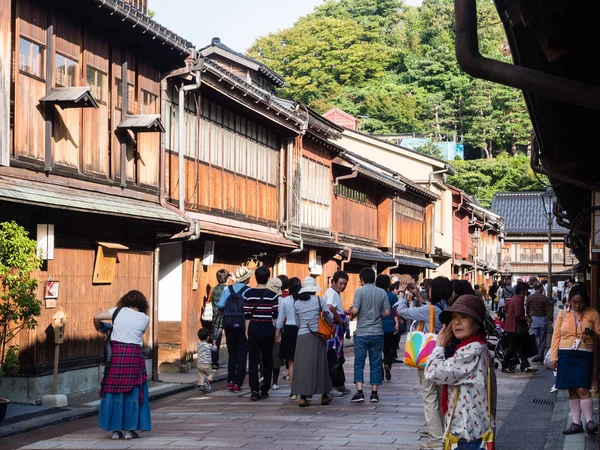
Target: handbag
419 345
487 440
326 329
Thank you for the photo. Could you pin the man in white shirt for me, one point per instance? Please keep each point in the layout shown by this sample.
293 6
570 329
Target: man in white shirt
335 346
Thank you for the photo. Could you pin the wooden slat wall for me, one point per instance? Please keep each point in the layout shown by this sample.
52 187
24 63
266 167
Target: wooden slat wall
219 190
410 232
6 11
148 144
116 115
29 123
237 69
67 123
96 127
82 301
84 140
384 222
353 218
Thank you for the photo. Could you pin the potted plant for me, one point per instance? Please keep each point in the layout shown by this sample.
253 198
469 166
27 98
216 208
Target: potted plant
19 305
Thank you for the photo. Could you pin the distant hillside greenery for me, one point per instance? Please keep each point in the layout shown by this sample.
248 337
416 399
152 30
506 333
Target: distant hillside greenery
394 67
484 177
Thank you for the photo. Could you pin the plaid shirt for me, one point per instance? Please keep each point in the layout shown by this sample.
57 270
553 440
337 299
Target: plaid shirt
127 369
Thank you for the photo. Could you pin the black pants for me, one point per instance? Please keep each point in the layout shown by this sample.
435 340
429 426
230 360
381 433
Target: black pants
397 337
336 369
389 345
516 346
237 349
260 346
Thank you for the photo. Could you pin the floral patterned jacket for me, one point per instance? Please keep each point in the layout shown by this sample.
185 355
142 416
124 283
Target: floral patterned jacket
465 373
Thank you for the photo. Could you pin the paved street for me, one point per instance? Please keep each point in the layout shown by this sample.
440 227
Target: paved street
222 419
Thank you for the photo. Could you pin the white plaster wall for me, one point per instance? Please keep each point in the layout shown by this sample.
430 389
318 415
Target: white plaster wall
170 283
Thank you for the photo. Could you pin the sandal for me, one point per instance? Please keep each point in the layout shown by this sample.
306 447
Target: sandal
117 435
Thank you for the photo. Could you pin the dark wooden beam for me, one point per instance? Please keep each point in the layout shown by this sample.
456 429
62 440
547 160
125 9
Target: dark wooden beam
124 112
49 164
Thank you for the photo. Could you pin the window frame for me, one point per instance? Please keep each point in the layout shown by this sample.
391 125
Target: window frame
103 98
130 96
41 55
56 69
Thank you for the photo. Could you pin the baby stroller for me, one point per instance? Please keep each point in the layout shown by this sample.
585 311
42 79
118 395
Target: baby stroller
497 342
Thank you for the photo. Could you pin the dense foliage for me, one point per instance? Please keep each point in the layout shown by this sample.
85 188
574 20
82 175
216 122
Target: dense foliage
394 66
484 177
19 306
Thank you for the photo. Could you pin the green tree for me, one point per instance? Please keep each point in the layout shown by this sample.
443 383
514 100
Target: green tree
484 177
320 56
396 65
19 306
431 149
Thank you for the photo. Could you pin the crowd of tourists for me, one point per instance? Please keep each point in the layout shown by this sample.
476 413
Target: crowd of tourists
282 322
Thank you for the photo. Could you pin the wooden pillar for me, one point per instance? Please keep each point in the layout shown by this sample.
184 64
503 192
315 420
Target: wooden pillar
124 113
49 164
6 30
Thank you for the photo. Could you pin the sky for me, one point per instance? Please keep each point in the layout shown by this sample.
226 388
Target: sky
237 22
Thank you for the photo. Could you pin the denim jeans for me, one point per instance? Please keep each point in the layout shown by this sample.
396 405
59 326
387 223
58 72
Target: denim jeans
374 346
539 330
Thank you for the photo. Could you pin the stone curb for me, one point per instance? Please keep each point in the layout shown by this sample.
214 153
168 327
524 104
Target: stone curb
35 423
556 439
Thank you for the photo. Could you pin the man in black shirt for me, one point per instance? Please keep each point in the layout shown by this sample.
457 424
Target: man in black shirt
260 308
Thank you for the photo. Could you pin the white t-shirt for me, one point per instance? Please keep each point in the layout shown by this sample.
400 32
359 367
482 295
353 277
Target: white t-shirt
129 326
332 297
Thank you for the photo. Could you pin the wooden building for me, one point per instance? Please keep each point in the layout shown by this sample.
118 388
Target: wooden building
355 213
477 240
525 247
423 170
79 172
225 166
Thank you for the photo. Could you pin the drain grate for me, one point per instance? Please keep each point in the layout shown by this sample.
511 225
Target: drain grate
538 401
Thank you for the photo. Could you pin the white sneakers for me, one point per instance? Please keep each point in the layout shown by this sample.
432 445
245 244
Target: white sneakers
275 387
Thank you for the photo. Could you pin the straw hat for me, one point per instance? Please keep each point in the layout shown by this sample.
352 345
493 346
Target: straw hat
466 304
242 274
309 284
274 284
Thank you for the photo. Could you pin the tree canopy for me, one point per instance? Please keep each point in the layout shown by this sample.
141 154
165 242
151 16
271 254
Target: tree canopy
484 177
394 67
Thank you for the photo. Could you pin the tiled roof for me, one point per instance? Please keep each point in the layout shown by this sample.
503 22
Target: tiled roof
523 212
266 70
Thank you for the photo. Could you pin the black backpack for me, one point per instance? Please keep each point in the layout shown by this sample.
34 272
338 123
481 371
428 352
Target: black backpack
233 311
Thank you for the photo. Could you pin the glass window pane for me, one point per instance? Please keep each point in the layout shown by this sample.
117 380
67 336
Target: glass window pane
31 58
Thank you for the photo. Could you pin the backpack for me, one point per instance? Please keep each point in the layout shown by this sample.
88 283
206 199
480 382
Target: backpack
233 311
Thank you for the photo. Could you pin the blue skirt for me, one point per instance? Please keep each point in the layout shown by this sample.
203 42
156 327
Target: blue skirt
123 411
574 369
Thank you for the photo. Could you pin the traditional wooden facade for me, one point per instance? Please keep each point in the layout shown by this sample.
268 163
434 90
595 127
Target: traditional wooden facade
525 247
80 172
477 240
357 214
224 165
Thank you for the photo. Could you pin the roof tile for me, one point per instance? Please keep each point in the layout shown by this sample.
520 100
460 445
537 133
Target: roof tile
523 212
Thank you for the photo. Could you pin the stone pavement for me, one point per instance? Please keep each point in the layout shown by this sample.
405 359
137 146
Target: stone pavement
21 418
222 419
